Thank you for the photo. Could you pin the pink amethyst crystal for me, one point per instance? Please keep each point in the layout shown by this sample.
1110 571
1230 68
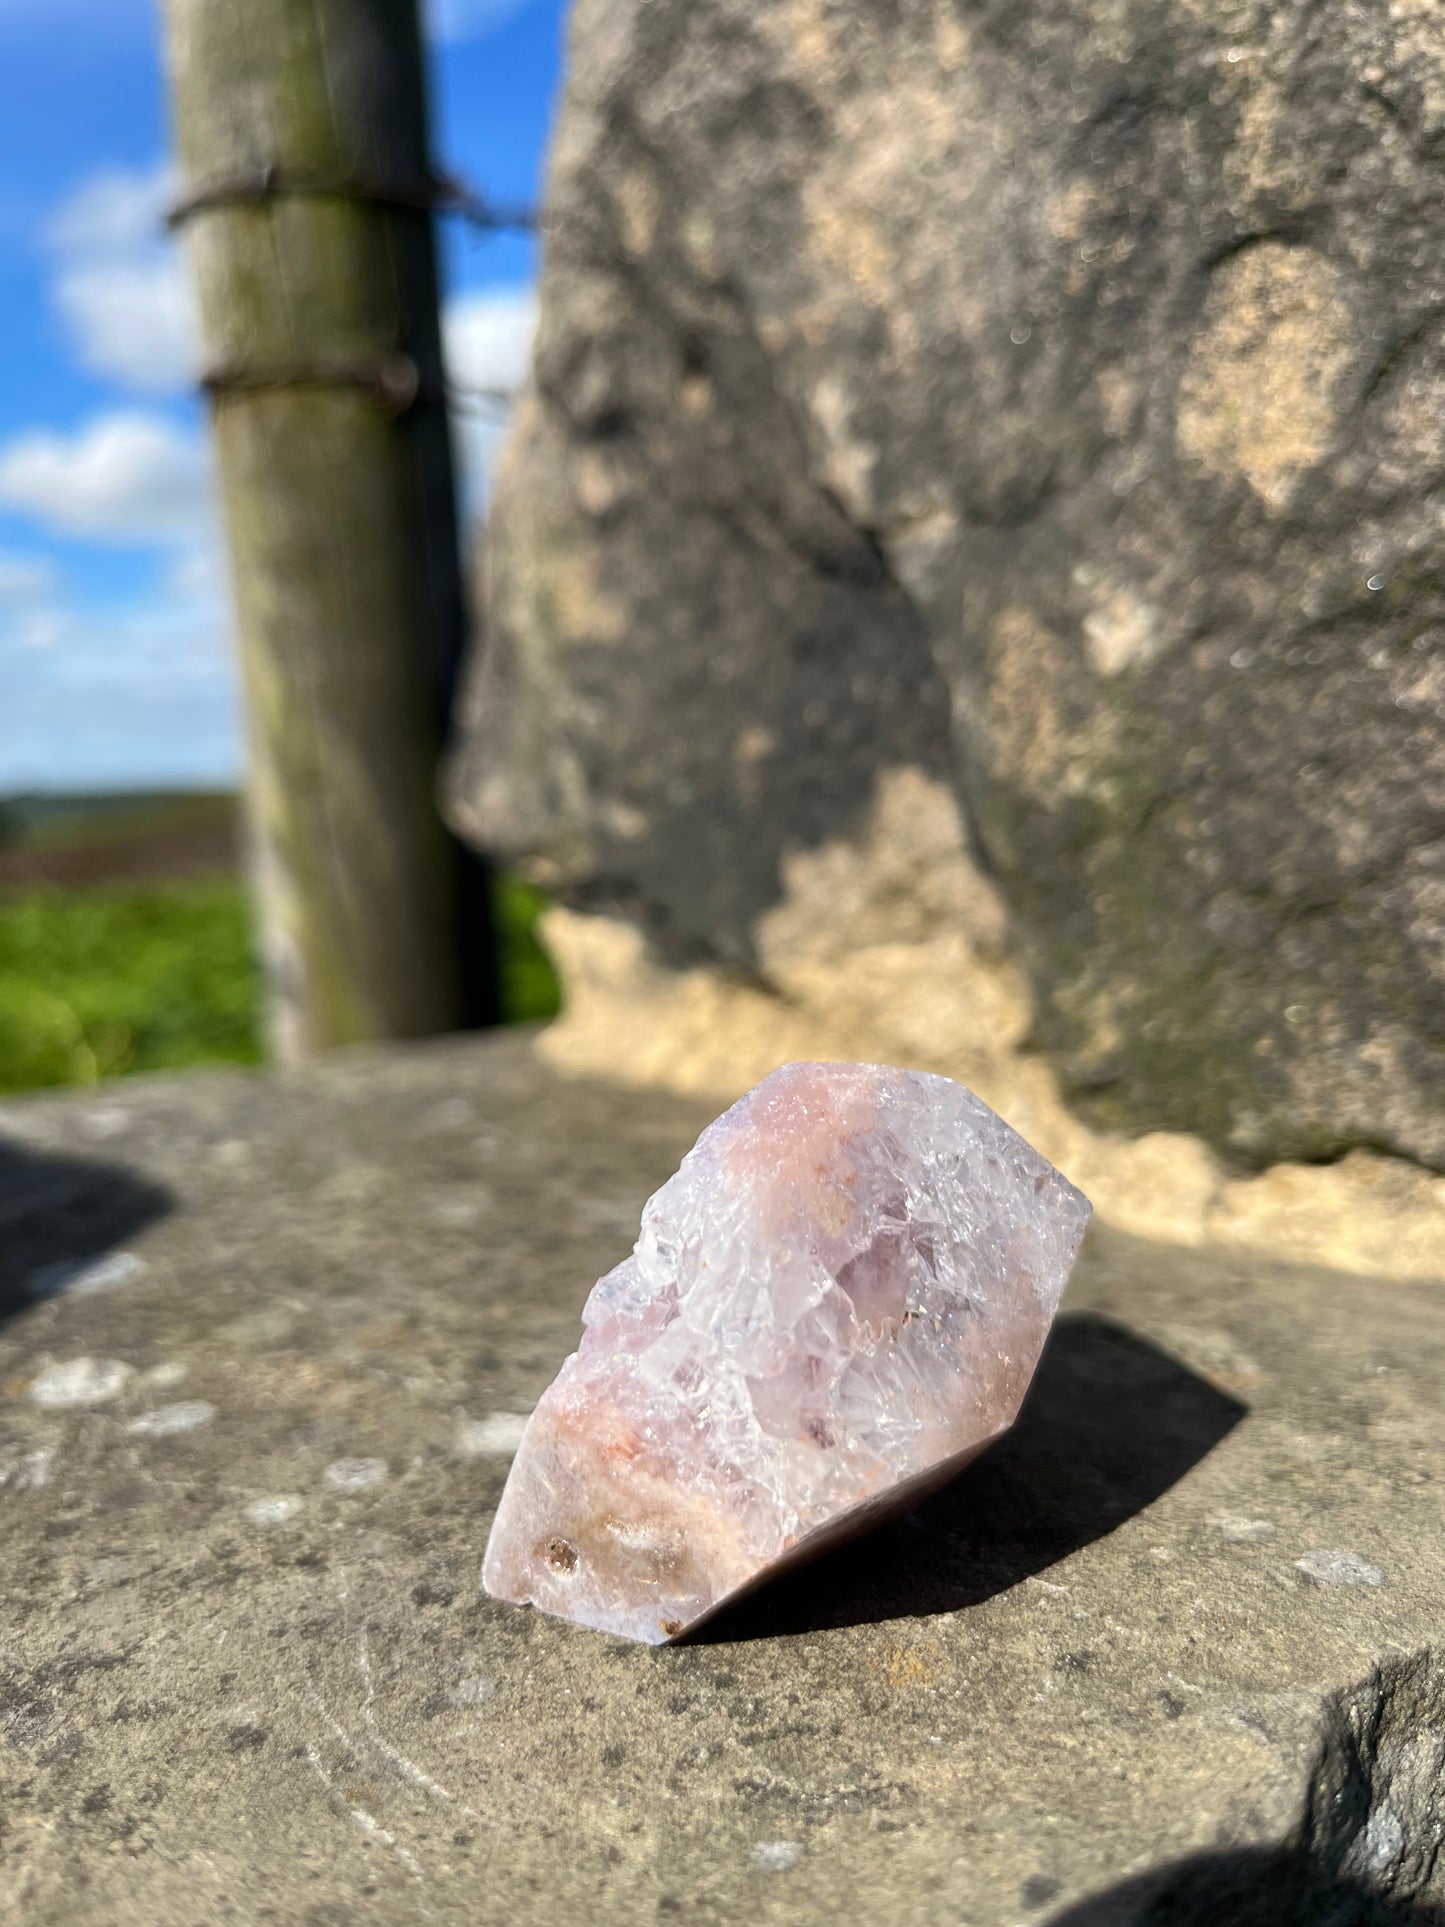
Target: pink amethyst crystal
835 1304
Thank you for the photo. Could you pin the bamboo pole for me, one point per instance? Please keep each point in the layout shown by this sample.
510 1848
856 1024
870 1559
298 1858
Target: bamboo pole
303 140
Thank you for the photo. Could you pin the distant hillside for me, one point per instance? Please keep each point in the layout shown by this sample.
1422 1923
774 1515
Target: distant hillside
124 838
125 939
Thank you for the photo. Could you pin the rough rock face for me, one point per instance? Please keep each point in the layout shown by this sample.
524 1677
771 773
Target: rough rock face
995 451
1170 1653
834 1305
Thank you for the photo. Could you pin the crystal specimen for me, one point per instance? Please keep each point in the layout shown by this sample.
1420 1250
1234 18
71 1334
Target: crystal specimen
835 1303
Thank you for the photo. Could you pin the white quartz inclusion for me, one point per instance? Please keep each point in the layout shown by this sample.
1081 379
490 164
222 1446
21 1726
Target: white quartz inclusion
835 1303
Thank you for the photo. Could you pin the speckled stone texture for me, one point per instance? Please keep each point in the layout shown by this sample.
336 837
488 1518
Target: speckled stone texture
834 1305
1033 409
1175 1637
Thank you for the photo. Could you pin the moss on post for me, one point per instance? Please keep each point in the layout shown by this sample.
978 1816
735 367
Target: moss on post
339 502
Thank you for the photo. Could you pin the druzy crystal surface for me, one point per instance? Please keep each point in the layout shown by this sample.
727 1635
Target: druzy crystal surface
835 1303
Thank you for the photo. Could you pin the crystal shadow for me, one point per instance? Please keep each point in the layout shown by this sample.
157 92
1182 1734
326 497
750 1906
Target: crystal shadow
1110 1423
60 1209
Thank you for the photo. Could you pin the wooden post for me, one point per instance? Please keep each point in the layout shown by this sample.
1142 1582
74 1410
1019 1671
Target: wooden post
307 199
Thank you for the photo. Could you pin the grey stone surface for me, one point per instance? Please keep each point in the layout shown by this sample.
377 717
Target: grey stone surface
240 1680
1043 400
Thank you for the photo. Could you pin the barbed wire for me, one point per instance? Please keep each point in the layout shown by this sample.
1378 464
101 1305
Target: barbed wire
481 400
439 194
480 211
394 380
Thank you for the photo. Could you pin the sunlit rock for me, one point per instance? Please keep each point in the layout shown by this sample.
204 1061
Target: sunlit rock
836 1303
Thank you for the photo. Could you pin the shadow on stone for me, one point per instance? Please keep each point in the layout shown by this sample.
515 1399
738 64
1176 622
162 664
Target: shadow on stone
56 1211
1253 1887
1109 1424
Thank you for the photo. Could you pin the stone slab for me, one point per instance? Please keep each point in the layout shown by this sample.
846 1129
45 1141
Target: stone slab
1125 1666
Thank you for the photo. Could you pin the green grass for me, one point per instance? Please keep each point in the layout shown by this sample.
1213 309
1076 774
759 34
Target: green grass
527 982
98 981
105 980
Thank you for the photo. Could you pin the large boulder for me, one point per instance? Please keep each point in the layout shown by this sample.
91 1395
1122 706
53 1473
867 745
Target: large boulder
983 489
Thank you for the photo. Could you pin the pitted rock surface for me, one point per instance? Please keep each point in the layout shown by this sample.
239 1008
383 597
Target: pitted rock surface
994 449
1177 1635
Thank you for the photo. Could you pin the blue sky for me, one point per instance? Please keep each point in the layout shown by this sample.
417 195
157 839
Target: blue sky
115 657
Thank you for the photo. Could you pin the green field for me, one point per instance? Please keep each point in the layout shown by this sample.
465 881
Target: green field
139 956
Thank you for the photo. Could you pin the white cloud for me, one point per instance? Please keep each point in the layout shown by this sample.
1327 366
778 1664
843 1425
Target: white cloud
23 578
134 477
143 689
126 302
138 691
121 209
125 477
488 340
27 588
453 20
121 287
199 573
133 322
488 335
